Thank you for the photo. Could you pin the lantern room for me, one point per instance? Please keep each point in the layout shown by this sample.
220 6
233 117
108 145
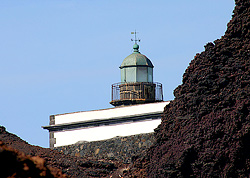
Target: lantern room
136 86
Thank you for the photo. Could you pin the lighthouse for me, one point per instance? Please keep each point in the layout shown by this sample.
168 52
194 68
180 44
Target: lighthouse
136 86
138 102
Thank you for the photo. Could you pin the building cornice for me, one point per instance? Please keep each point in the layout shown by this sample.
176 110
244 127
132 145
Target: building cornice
102 122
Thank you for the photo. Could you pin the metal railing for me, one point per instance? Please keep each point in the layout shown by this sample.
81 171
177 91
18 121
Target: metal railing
137 91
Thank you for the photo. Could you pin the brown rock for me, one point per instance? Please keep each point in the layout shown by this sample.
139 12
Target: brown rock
205 130
17 164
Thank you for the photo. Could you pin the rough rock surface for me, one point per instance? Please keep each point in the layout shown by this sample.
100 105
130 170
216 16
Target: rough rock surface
71 165
118 148
16 164
205 131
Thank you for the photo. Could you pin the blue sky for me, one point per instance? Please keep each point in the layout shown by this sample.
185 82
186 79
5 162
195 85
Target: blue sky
60 56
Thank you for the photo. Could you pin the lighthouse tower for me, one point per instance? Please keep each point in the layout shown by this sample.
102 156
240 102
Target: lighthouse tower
136 86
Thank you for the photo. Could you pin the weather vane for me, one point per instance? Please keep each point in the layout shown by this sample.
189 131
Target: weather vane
134 33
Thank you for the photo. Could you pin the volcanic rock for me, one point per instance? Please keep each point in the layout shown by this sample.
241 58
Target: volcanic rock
205 130
24 160
17 164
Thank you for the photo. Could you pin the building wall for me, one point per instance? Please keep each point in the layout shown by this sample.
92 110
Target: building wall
67 129
104 132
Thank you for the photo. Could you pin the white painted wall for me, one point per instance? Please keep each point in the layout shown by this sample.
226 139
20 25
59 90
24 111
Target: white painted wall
104 132
110 113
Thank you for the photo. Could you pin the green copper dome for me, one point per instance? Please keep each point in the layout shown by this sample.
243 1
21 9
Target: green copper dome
136 59
136 67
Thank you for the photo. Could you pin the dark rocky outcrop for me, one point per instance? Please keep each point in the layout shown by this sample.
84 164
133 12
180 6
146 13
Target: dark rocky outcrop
205 131
25 160
16 164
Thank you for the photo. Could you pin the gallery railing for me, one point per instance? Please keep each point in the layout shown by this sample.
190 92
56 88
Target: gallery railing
148 91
